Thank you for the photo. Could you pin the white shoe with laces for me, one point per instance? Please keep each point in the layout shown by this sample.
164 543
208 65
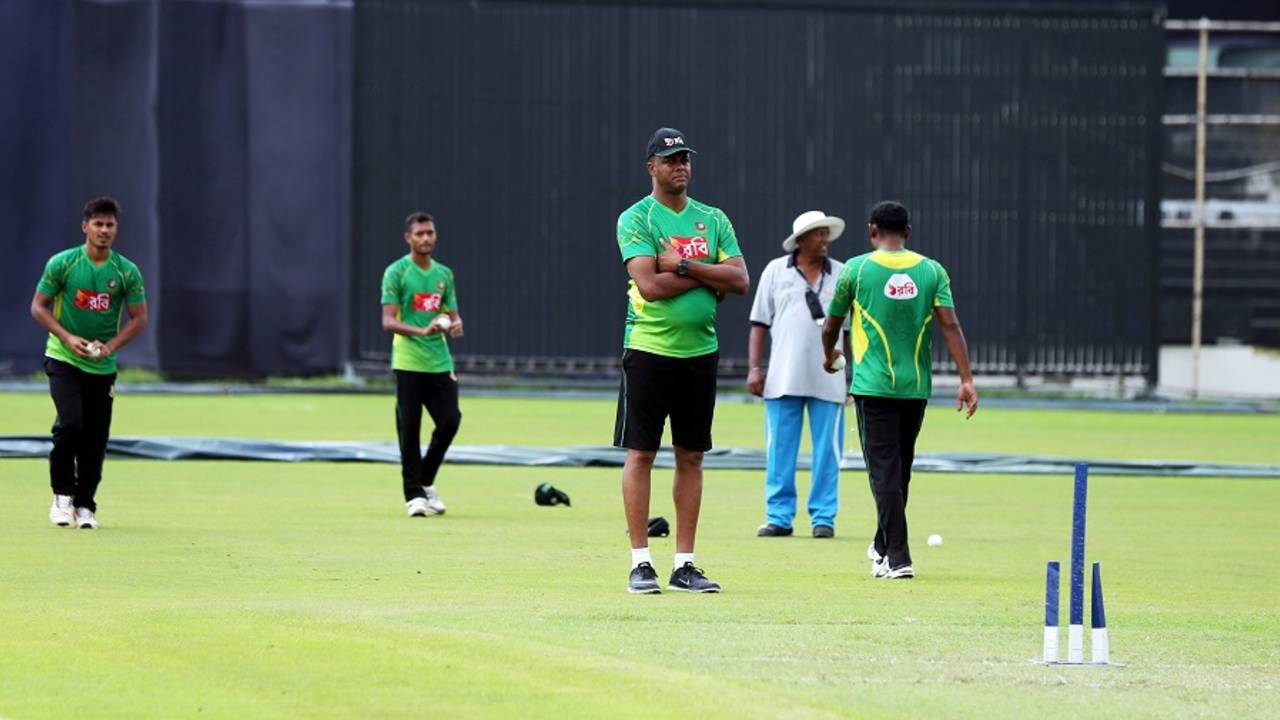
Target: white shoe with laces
902 572
85 519
61 512
418 507
434 503
878 565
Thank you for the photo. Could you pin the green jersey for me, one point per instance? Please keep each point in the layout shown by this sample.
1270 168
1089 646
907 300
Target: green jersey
87 299
685 325
892 295
421 296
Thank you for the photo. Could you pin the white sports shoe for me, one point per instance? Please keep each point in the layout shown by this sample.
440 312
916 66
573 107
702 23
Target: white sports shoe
418 507
85 519
434 503
903 572
878 565
60 512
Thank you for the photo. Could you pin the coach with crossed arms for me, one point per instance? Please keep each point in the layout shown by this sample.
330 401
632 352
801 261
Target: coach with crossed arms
682 256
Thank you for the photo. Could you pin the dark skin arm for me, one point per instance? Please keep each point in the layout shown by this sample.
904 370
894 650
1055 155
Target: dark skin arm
755 355
42 311
654 285
949 324
392 324
831 328
729 276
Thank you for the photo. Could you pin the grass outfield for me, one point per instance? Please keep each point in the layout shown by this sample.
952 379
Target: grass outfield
272 590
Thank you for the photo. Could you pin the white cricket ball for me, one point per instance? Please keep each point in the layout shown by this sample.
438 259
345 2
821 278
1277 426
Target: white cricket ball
444 322
935 541
95 350
838 363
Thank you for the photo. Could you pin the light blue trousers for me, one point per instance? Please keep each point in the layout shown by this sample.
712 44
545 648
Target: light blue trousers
783 423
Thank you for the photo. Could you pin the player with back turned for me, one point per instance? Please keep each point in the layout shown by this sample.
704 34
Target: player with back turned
894 295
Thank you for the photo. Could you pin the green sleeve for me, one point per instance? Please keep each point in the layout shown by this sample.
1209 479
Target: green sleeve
942 296
52 281
391 288
134 291
845 292
728 244
634 236
450 295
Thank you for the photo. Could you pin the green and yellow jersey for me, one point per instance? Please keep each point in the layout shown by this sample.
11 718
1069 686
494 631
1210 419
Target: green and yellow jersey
421 296
685 325
892 295
87 299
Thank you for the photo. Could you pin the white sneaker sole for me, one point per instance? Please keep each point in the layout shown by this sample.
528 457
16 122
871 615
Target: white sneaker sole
692 591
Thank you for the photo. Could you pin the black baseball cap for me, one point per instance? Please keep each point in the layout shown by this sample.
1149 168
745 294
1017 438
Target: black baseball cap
667 141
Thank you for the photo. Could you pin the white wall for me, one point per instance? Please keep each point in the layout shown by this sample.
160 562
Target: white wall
1235 371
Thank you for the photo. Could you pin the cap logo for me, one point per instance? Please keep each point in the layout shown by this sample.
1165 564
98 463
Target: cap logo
673 141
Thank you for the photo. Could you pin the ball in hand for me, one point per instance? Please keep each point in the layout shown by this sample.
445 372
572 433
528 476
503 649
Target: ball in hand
443 322
838 363
95 350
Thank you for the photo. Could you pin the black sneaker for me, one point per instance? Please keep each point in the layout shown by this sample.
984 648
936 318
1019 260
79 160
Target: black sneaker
771 530
644 580
823 531
688 578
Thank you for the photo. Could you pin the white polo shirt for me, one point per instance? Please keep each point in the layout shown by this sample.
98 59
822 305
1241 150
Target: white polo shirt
795 354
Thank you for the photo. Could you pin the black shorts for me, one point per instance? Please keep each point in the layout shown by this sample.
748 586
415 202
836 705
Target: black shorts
655 387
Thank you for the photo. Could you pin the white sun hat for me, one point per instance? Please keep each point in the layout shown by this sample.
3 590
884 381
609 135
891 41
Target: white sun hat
810 220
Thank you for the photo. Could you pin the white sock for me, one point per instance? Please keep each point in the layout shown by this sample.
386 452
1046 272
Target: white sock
682 558
640 555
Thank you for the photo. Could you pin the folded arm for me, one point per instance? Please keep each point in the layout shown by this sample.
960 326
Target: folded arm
654 285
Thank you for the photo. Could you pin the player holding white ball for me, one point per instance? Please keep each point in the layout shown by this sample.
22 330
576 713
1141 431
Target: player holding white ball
420 307
78 301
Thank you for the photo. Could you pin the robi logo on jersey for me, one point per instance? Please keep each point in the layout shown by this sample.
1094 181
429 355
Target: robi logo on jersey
691 248
92 301
426 302
900 287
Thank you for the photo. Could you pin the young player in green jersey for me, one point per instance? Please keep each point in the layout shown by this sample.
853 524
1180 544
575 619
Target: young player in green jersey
420 307
78 301
894 295
682 256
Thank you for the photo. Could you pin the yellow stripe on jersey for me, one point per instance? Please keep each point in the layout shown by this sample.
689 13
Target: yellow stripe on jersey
884 340
920 341
860 340
896 260
637 300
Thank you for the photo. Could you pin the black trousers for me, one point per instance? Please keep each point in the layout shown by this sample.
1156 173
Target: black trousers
438 393
888 428
83 401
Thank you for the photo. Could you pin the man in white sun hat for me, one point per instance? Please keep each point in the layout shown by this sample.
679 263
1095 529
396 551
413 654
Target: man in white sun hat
791 298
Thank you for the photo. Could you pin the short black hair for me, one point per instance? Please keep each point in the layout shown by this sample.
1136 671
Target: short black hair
105 205
890 216
415 218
